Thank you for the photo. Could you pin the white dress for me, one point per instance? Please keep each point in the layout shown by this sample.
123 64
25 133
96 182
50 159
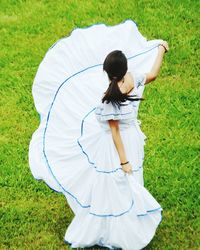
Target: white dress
73 150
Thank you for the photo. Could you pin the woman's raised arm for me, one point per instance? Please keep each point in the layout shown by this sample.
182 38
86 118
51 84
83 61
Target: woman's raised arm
151 76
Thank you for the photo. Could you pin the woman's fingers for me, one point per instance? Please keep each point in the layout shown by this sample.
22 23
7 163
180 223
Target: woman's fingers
165 43
127 168
129 172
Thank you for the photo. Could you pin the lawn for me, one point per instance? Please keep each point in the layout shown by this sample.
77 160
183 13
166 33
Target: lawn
35 217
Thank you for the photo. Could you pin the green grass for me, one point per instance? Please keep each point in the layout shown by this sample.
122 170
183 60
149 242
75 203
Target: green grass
35 217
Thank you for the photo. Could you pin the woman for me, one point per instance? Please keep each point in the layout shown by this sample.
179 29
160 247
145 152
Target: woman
122 84
92 151
116 224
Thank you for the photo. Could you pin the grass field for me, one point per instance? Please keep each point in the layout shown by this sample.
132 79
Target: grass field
35 217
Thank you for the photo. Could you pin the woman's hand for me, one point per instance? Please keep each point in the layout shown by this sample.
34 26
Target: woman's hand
165 44
127 168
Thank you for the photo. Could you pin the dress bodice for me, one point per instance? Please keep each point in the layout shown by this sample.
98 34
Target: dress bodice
127 115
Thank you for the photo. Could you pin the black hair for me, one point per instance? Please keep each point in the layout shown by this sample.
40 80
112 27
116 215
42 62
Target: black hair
115 65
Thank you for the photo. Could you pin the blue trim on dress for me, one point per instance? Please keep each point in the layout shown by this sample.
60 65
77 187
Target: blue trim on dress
113 114
48 117
89 26
92 163
88 158
89 161
143 52
113 215
150 211
111 247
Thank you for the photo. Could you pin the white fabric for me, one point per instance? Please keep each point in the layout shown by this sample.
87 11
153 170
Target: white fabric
73 150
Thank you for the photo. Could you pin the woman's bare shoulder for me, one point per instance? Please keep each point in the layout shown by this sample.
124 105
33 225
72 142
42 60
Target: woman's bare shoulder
128 84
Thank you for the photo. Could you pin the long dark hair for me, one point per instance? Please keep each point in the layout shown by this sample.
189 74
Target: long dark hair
115 65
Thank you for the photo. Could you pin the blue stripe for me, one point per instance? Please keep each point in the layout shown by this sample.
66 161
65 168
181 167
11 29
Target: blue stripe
143 52
150 211
100 240
48 117
136 170
114 114
88 158
90 26
113 215
89 161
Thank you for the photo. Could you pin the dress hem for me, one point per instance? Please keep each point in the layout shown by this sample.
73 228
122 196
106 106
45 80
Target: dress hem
99 243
